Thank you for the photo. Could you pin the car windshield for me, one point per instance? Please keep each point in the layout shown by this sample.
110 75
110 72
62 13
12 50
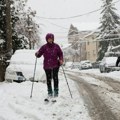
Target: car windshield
19 73
87 62
76 63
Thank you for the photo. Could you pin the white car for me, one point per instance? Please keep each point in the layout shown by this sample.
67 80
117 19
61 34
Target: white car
86 64
108 64
14 76
75 65
68 65
21 66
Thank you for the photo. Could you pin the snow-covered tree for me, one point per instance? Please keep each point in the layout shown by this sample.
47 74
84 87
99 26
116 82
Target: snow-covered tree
73 30
2 25
19 37
2 37
27 27
109 29
18 40
73 37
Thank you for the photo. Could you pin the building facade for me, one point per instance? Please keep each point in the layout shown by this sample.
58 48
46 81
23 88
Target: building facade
85 42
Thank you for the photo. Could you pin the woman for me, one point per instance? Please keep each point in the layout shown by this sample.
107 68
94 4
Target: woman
53 58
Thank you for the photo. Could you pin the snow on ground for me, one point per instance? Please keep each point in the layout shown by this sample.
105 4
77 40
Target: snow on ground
114 74
16 103
107 92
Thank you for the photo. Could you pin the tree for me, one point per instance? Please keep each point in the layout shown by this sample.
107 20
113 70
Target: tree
19 41
5 36
12 35
7 32
28 28
2 26
109 32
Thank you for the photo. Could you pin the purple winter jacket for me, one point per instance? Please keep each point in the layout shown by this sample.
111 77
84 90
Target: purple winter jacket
52 53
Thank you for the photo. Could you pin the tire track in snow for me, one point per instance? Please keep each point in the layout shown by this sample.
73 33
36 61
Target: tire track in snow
108 80
115 84
98 110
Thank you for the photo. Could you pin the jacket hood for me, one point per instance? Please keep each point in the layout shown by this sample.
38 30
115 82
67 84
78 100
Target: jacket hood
49 35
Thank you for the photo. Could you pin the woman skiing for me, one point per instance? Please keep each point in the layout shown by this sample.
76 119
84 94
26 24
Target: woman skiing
53 58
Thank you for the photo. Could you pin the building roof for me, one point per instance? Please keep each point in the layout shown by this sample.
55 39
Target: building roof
86 26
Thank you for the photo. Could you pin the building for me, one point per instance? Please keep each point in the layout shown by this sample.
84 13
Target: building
83 36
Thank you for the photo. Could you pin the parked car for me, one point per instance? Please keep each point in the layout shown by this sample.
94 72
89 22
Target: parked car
96 64
21 66
86 64
14 76
68 65
108 64
75 65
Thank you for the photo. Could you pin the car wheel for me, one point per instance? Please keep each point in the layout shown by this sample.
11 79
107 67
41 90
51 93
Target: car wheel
101 71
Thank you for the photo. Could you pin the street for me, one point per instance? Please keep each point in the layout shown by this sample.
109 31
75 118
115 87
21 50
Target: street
100 98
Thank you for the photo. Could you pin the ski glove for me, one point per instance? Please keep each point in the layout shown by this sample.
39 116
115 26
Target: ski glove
37 54
61 62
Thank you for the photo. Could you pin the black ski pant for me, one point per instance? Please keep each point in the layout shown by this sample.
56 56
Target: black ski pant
52 74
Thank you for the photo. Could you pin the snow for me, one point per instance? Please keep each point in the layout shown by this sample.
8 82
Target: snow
16 103
109 61
1 41
24 60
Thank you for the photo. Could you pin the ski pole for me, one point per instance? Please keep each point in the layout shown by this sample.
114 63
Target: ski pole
67 81
33 78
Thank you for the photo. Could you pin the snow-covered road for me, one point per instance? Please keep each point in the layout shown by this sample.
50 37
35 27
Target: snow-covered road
96 96
101 94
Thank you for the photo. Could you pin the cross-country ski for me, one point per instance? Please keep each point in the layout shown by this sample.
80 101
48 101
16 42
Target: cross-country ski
52 100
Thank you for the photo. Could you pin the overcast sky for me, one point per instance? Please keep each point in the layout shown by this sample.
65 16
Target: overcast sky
62 9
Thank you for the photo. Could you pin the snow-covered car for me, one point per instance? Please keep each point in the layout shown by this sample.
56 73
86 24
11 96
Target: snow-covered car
21 66
86 64
75 65
68 65
108 64
96 64
14 76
